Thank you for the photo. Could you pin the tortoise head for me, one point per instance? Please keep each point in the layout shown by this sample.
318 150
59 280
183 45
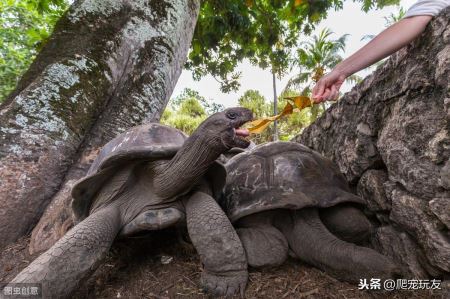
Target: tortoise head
226 126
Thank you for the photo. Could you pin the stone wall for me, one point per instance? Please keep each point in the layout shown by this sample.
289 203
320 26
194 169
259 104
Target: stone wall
389 136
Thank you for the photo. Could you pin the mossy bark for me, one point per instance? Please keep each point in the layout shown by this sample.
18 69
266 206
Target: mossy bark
108 66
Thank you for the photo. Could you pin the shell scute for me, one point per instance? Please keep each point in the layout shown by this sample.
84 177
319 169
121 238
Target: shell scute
284 175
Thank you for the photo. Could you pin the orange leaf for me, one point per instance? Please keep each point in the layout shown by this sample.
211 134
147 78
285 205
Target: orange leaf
288 109
259 125
297 2
318 73
301 102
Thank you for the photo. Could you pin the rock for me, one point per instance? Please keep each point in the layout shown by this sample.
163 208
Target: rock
441 208
445 175
405 143
371 188
412 214
400 246
390 137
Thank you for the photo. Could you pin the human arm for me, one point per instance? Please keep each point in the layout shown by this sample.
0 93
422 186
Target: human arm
387 42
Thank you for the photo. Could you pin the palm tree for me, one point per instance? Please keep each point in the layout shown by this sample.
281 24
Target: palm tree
394 17
388 21
316 57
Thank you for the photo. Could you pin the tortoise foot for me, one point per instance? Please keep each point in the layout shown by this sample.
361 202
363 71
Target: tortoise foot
227 284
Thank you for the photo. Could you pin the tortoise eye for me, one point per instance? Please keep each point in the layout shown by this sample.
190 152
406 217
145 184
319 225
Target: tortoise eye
231 115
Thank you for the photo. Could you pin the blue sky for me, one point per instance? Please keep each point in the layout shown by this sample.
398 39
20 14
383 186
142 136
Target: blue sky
350 20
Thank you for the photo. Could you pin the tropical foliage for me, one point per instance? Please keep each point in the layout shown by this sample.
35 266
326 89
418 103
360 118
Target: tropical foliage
227 32
388 21
394 17
262 31
25 25
316 56
258 104
293 125
209 106
288 127
186 111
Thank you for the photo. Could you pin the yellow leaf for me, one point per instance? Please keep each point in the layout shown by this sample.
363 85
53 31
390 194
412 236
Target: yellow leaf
297 2
300 102
259 125
272 118
288 109
318 73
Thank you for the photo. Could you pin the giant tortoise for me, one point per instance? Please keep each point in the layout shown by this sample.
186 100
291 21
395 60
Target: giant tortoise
151 177
284 198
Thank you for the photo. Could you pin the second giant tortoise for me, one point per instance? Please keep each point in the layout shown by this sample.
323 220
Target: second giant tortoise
283 197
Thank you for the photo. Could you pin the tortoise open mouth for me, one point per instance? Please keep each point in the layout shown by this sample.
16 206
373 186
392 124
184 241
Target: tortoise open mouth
241 135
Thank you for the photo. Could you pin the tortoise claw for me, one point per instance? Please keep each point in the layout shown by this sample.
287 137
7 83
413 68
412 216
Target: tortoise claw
224 285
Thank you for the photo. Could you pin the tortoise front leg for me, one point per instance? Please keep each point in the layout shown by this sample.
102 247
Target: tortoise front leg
347 222
265 245
313 243
74 256
219 247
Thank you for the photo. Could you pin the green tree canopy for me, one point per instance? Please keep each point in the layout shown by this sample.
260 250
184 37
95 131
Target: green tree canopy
315 57
25 25
227 32
263 31
256 102
186 111
209 106
192 107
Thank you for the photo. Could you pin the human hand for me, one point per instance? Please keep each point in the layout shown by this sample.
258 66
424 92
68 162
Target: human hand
327 88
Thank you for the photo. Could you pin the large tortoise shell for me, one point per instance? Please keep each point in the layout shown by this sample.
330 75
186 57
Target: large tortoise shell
146 142
282 175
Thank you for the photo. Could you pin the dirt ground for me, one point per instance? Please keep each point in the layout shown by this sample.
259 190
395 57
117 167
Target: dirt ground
160 266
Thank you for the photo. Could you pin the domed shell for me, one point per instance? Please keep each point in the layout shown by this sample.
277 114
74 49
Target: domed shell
282 175
146 142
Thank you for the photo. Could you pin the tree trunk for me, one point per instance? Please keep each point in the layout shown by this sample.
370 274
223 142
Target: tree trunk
275 106
390 137
108 66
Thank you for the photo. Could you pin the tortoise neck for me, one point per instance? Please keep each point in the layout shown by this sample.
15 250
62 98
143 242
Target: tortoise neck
188 165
